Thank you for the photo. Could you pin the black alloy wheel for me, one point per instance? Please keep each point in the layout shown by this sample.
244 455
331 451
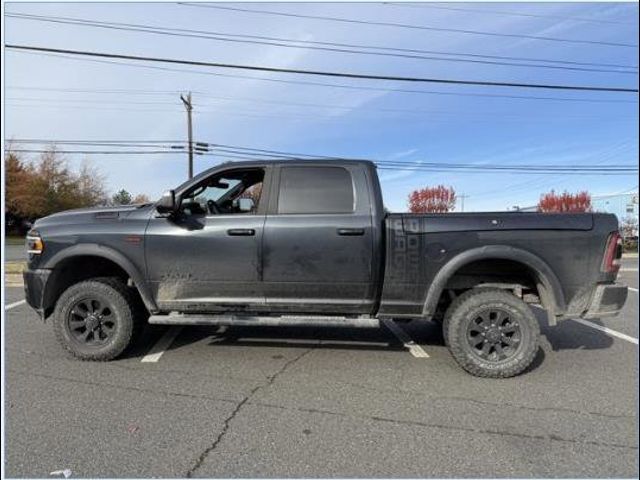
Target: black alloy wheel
494 335
91 322
491 333
98 318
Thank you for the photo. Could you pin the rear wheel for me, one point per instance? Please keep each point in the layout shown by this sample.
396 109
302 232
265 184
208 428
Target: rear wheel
97 319
491 333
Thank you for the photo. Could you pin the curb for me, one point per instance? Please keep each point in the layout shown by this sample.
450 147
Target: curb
13 280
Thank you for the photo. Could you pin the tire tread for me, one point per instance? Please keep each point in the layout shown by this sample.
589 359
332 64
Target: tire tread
476 297
124 297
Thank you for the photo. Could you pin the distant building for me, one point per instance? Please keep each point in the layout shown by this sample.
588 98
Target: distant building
622 205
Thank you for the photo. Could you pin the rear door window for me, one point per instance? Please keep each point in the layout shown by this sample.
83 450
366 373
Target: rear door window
315 190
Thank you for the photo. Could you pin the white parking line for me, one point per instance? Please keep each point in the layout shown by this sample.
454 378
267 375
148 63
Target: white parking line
162 345
415 349
633 289
14 305
628 270
606 330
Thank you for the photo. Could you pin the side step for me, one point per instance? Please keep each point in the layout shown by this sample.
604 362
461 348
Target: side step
272 321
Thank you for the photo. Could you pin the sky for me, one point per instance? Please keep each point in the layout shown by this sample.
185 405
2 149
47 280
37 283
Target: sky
56 97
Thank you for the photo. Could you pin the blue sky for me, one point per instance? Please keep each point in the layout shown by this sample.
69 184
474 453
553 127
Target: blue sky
368 123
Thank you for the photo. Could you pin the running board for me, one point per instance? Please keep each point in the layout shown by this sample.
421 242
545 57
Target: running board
272 321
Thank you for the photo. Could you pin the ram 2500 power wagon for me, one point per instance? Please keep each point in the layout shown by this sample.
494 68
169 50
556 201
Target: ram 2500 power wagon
310 243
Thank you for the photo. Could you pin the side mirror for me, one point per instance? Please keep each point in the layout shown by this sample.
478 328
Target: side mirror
245 204
167 203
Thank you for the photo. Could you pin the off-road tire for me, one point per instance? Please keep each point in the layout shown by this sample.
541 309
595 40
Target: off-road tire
465 309
126 308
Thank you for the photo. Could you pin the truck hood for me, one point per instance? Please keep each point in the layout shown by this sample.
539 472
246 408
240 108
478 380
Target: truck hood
90 215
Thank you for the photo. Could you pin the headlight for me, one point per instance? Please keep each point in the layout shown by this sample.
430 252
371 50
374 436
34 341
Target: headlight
35 245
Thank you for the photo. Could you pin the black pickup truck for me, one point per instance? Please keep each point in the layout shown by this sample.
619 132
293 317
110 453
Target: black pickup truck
310 243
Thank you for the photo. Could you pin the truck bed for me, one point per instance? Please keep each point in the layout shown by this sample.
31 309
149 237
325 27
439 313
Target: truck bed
423 250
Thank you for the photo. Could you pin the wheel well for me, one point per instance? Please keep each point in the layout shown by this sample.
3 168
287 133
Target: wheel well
511 275
76 269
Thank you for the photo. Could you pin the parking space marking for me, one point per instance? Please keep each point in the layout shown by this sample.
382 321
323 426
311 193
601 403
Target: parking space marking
14 304
628 270
633 289
607 330
415 349
162 345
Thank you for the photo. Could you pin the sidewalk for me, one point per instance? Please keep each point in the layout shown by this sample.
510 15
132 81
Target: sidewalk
13 273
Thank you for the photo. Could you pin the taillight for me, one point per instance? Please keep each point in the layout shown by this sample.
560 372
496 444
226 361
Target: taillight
612 254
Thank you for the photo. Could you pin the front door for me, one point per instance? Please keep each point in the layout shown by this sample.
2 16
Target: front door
207 256
318 242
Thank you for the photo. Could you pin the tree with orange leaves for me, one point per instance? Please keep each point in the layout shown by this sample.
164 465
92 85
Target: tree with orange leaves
565 202
438 199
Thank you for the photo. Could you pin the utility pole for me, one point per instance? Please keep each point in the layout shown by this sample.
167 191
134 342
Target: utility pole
189 107
462 197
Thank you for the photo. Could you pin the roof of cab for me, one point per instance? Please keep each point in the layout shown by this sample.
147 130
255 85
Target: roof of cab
272 162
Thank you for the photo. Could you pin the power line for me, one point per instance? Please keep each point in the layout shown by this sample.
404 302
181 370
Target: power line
442 117
252 100
322 73
413 27
528 168
261 152
513 14
309 45
288 154
93 142
160 110
264 152
119 152
330 85
602 159
95 90
94 152
506 172
381 165
92 101
249 152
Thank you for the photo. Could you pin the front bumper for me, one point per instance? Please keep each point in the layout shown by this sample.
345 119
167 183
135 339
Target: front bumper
35 282
607 301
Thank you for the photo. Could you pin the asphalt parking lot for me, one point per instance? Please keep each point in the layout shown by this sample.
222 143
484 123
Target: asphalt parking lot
281 402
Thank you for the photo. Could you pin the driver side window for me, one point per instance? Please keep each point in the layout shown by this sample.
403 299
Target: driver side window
227 193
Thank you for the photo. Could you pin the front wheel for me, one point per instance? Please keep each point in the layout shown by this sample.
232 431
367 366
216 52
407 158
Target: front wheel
491 333
97 319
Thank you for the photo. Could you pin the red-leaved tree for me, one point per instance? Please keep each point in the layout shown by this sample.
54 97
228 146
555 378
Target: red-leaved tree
438 199
566 202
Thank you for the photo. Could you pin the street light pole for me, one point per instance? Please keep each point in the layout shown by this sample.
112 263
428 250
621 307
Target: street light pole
189 107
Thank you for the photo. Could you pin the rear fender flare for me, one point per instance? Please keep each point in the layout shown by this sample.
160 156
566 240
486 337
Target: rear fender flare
549 286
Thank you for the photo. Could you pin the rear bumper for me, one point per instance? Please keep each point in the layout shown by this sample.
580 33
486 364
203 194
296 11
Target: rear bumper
34 288
607 301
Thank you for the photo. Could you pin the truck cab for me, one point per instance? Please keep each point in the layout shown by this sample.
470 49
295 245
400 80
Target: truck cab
299 237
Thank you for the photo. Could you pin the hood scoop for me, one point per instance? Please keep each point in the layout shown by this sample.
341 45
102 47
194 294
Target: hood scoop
106 215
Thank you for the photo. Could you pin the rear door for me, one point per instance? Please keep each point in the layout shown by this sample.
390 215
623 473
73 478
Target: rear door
318 240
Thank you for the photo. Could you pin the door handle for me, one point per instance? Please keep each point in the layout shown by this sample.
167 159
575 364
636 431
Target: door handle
350 232
241 232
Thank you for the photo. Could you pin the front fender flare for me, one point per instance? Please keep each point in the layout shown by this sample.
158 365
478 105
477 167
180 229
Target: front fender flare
96 250
553 295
